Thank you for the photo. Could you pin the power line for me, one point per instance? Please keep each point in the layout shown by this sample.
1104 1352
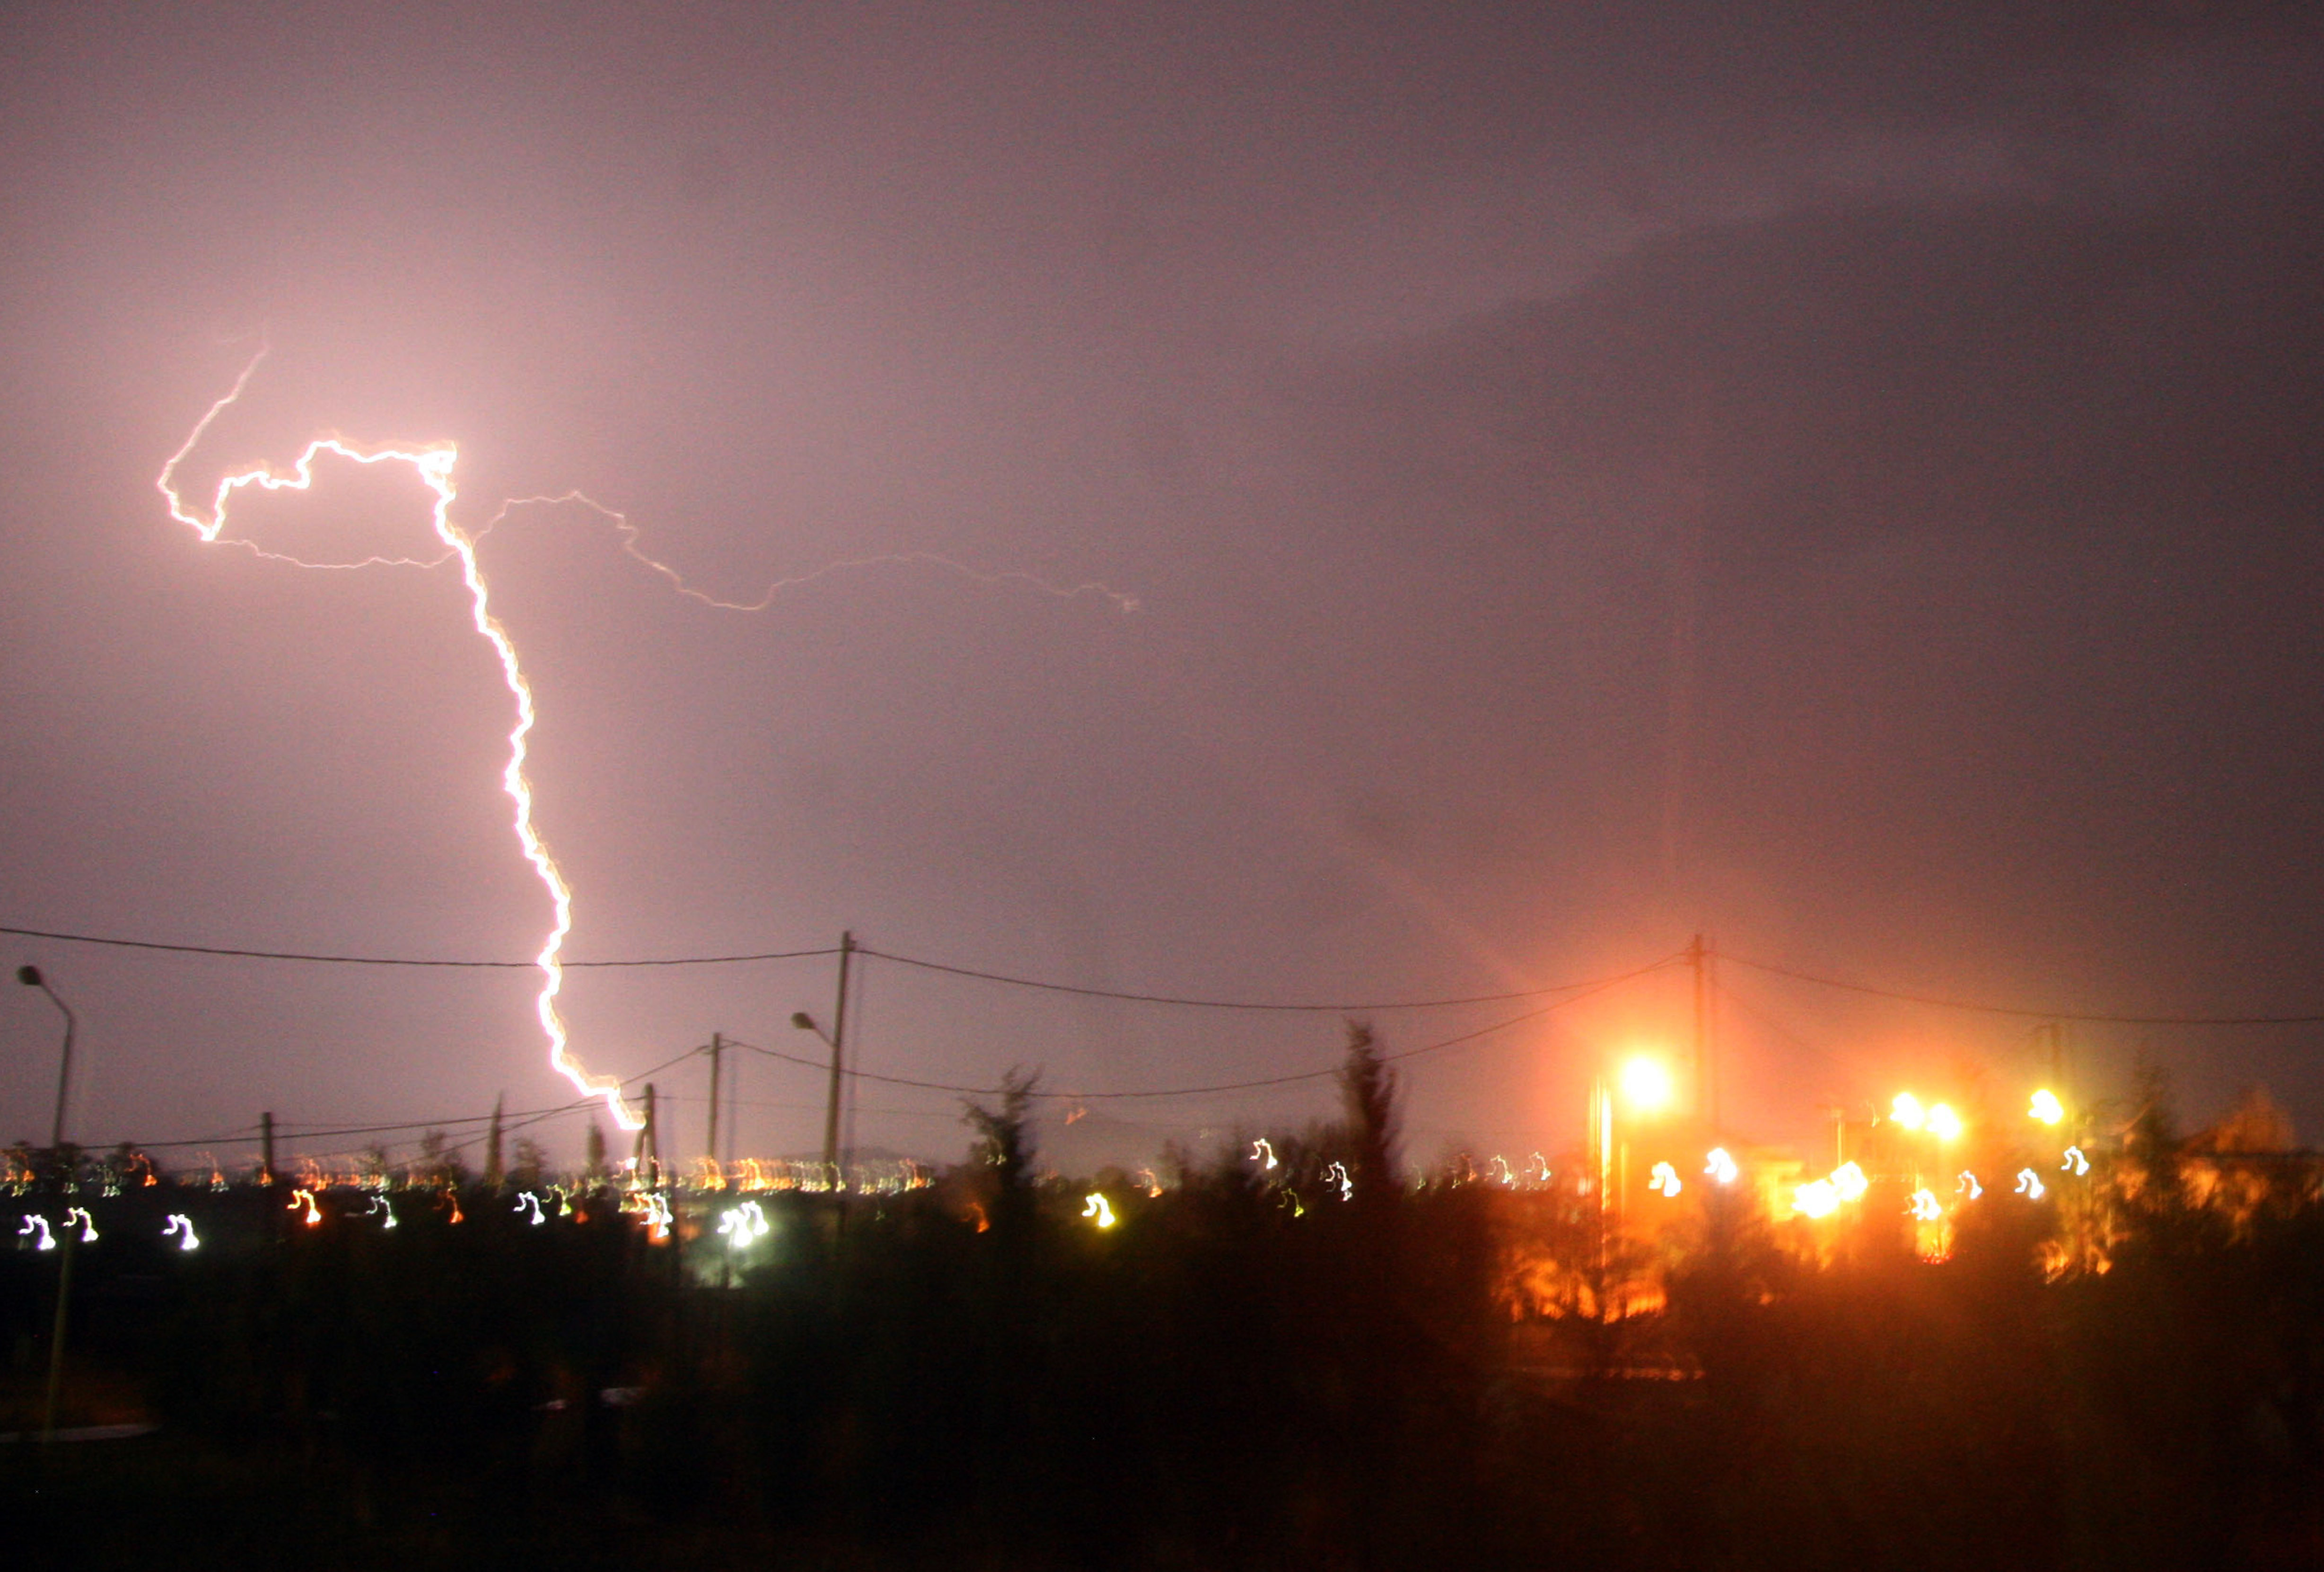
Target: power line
528 1116
342 960
1198 1003
2024 1011
1597 987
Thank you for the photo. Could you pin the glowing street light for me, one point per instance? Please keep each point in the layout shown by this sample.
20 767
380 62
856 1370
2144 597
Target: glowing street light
1721 1166
1943 1122
1646 1082
2046 1107
1908 1112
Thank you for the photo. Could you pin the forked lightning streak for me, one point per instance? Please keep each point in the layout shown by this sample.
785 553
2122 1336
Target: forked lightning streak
434 463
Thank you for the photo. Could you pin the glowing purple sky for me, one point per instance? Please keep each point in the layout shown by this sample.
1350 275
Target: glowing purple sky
1849 487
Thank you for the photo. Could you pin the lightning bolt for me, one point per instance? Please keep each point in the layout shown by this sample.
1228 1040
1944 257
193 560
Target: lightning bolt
434 463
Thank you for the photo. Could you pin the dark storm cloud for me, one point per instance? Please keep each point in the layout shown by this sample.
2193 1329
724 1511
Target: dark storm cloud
1843 480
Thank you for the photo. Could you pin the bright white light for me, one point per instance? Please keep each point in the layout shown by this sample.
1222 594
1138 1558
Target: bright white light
1665 1180
88 1224
1906 1110
1721 1167
1924 1208
1815 1198
2076 1163
1336 1174
1646 1082
1263 1153
1847 1182
2046 1107
35 1224
182 1226
2029 1185
528 1202
1097 1207
1970 1186
743 1223
1943 1122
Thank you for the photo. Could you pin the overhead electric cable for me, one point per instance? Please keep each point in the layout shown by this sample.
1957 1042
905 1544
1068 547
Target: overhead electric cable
1197 1004
1588 989
340 960
1983 1008
290 1132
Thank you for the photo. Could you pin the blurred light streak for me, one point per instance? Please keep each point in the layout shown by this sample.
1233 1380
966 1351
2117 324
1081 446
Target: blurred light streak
88 1222
2076 1163
1968 1183
1096 1206
2046 1107
35 1223
181 1227
1924 1208
1815 1198
1721 1167
2029 1185
1906 1110
1665 1180
1847 1182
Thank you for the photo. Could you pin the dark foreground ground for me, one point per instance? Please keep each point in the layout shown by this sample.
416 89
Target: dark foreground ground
1238 1374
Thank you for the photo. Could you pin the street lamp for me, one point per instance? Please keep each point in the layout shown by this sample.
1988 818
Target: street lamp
803 1022
30 977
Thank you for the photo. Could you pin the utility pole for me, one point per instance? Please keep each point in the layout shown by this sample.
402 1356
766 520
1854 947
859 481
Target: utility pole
717 1053
266 1147
1706 1073
648 1146
839 1039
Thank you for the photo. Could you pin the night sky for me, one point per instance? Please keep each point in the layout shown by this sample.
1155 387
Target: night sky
1847 484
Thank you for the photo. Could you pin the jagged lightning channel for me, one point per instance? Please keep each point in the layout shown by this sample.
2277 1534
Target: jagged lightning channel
434 464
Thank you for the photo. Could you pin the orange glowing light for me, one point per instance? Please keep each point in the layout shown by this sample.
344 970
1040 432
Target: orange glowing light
2046 1107
1646 1082
1943 1122
1906 1110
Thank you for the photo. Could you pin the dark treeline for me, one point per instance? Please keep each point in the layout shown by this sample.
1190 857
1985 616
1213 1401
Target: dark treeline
1310 1366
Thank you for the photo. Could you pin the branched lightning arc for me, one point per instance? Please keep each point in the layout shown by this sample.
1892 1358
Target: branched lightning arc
434 463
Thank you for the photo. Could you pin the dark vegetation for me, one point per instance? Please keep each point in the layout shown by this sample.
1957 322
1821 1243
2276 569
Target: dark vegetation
1247 1371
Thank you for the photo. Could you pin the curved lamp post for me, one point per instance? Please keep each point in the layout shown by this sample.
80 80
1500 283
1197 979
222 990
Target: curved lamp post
30 977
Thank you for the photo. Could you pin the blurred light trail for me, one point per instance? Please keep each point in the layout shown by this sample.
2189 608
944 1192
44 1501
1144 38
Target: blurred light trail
2076 1163
2029 1185
181 1227
1097 1208
314 1213
1924 1208
1847 1181
34 1222
88 1222
529 1202
1720 1167
1336 1174
1665 1180
1815 1198
1943 1122
1968 1183
1263 1153
743 1223
2046 1107
1906 1110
